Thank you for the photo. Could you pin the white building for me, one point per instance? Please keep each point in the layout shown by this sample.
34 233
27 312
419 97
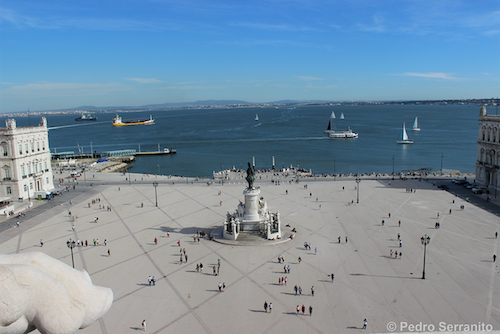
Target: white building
488 151
24 160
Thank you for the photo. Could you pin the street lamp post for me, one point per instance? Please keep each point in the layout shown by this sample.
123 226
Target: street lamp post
71 244
441 163
425 241
334 170
393 167
158 169
155 184
358 180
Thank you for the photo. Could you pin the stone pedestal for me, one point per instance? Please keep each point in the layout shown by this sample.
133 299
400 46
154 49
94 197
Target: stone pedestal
251 205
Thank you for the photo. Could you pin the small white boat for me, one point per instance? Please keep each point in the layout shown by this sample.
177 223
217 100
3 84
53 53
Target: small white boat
342 116
256 117
405 139
415 125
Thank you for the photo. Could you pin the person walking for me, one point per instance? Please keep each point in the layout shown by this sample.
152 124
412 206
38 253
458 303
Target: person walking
310 310
299 259
156 241
303 308
346 239
365 323
494 257
316 250
383 222
399 223
109 252
300 291
339 239
265 306
496 235
298 309
220 286
41 243
296 288
270 307
312 290
144 321
332 276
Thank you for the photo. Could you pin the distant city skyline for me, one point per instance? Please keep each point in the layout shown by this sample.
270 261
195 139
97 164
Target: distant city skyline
60 54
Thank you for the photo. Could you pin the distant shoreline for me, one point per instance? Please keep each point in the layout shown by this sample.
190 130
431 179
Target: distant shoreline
223 105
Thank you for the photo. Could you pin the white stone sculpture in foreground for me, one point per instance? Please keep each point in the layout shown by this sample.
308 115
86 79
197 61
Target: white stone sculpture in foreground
39 292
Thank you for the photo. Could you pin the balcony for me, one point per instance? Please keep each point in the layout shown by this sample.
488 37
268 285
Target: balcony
7 178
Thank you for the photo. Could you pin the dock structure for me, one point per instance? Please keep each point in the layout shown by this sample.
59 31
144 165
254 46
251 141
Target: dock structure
108 154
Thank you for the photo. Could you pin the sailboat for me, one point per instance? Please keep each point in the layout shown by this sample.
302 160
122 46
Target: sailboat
405 139
342 116
256 117
415 125
330 123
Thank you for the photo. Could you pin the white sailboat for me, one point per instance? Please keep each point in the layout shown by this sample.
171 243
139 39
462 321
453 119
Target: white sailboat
330 123
256 117
405 139
415 125
342 116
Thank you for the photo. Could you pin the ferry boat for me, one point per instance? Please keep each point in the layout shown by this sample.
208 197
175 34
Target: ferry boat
86 117
118 121
343 134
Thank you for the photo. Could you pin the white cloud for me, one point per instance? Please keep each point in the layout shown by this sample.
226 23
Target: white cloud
144 80
308 78
431 75
51 89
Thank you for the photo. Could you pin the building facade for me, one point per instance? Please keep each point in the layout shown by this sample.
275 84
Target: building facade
488 151
24 160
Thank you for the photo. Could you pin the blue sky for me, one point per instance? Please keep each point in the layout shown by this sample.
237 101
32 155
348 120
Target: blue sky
63 54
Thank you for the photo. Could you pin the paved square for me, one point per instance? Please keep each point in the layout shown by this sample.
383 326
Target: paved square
460 285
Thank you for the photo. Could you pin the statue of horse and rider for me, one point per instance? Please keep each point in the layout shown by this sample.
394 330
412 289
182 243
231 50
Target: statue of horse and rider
250 176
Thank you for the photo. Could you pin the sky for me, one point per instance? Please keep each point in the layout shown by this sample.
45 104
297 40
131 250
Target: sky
65 54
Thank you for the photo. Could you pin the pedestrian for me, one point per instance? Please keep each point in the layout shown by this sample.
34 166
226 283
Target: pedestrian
298 309
310 310
364 324
150 280
346 239
303 308
197 267
87 243
400 254
142 205
156 241
223 287
73 227
438 214
186 256
399 223
390 252
316 250
383 222
389 215
41 243
288 268
179 243
215 271
220 286
332 276
109 252
339 239
153 280
279 280
296 288
201 267
496 235
181 258
279 259
299 259
399 236
105 242
265 306
312 290
494 257
300 291
286 280
144 321
270 307
400 243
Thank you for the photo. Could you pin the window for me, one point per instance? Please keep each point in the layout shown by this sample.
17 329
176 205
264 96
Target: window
29 170
7 174
5 151
46 180
43 145
35 167
31 186
22 172
32 147
45 165
9 190
494 134
20 149
25 188
41 170
38 146
26 148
